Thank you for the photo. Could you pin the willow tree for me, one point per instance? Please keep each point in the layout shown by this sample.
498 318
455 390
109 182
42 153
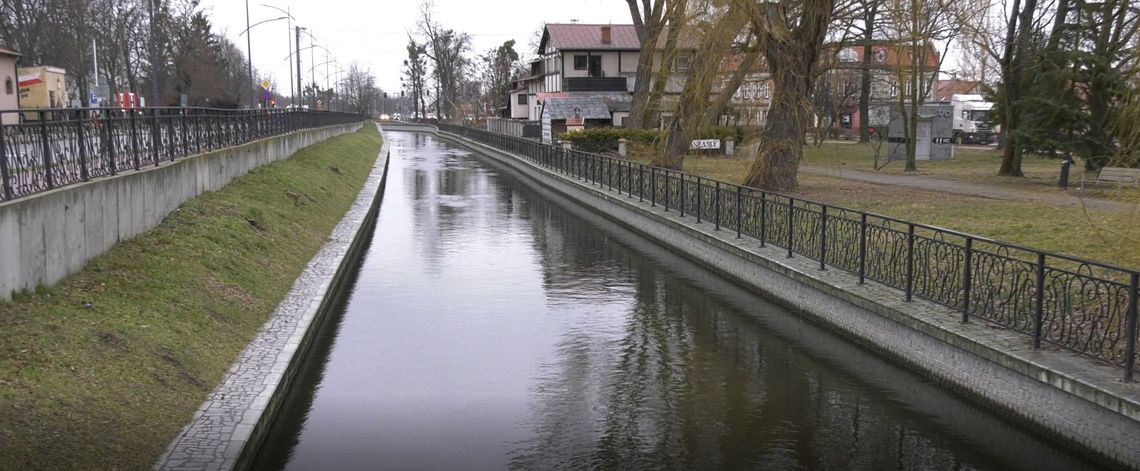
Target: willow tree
718 37
790 34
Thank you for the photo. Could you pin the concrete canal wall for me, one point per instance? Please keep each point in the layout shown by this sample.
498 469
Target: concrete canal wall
1068 397
47 236
230 426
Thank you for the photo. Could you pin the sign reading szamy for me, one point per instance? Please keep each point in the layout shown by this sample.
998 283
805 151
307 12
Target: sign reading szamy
705 144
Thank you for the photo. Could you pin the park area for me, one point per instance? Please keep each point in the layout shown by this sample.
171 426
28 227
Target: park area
1097 222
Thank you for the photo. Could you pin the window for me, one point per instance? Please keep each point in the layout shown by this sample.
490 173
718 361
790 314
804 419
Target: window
580 63
8 86
522 98
764 90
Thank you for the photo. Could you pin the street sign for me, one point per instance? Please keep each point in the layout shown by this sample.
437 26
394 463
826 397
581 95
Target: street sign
265 84
94 99
705 144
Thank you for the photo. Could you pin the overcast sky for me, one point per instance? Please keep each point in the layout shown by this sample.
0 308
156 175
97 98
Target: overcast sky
373 33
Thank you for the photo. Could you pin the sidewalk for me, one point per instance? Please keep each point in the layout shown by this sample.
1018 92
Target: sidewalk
944 185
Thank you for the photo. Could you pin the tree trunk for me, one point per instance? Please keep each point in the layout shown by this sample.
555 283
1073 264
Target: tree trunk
792 55
865 74
1013 69
778 161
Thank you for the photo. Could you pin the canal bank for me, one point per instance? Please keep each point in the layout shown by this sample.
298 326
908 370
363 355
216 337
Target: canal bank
228 428
498 325
1067 397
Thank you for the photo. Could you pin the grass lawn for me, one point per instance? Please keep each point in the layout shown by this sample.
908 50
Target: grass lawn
109 386
973 164
1099 235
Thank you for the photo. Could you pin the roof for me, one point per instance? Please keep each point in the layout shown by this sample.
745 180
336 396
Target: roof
576 36
587 108
949 88
885 54
9 52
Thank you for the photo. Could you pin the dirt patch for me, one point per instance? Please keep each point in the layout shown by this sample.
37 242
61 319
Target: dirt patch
111 340
230 292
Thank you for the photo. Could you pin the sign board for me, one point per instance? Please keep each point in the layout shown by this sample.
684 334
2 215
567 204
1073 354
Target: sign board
94 99
265 84
705 144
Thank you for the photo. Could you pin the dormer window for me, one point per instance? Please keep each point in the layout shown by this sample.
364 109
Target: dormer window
8 86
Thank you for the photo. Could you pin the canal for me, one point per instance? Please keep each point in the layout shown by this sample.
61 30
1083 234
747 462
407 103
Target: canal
493 326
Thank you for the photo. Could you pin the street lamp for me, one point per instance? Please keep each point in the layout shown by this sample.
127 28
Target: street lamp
289 44
249 47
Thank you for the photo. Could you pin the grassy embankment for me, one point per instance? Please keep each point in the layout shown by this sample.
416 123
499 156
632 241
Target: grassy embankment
110 385
1100 235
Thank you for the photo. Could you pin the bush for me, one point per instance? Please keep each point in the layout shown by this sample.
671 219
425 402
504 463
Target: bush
606 139
599 140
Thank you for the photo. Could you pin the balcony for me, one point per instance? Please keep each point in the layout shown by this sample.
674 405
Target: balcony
594 84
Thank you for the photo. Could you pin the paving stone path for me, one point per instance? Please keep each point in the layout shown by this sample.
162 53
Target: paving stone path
1071 199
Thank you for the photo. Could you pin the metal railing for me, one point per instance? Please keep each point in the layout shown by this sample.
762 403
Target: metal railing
1070 303
49 148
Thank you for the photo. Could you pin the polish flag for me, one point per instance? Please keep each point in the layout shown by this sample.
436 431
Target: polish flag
29 80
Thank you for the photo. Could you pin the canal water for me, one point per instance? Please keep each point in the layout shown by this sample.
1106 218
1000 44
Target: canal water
493 326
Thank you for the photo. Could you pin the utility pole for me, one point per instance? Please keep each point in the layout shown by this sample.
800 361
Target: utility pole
298 52
153 58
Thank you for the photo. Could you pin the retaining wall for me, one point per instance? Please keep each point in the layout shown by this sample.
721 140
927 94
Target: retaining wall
47 236
1070 398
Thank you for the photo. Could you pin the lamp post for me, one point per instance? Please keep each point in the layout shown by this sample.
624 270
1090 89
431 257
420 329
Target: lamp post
249 50
289 45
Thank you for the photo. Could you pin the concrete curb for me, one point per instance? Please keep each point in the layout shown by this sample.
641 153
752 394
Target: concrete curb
1068 397
228 428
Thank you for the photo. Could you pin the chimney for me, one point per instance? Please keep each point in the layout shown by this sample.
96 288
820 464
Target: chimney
606 39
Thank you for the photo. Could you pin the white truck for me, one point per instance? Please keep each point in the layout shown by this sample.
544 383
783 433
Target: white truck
972 119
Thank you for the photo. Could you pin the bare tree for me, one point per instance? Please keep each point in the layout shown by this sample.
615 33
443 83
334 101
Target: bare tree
415 71
446 48
916 29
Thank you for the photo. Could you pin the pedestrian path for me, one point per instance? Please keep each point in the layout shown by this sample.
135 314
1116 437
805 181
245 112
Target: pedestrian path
1072 199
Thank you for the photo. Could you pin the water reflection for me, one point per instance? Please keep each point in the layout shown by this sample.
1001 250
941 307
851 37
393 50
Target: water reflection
492 328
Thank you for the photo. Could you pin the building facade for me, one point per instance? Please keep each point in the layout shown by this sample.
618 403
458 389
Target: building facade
10 95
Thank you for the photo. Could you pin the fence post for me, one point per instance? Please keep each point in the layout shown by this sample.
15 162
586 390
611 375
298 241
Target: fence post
108 125
135 140
629 178
185 135
5 177
763 219
823 237
739 212
681 194
653 186
716 206
84 172
1130 343
862 248
700 207
968 267
1039 300
791 240
47 150
155 135
640 183
666 173
909 262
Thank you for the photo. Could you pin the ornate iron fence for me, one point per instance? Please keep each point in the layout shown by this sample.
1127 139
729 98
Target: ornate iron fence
1078 305
50 148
